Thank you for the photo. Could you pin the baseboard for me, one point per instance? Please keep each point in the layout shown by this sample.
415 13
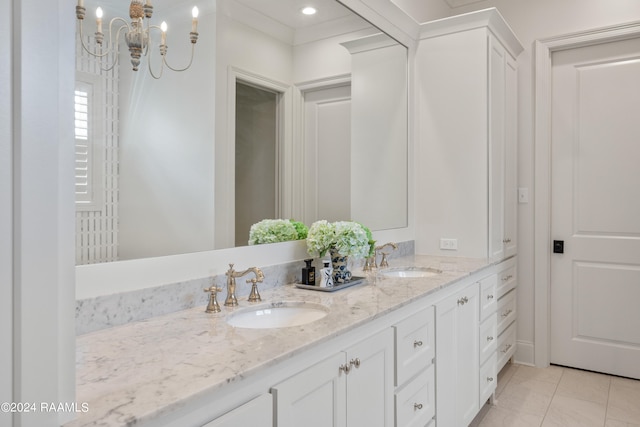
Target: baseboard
524 354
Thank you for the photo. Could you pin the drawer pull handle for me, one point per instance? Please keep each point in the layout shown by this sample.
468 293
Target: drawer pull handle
489 379
507 347
417 344
489 339
504 279
463 300
355 362
417 406
506 313
506 240
345 368
489 297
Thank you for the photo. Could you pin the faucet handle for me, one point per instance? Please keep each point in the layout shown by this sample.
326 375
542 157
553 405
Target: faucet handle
230 271
254 296
383 262
213 306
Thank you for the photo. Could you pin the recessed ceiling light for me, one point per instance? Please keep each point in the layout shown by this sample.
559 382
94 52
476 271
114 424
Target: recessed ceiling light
309 10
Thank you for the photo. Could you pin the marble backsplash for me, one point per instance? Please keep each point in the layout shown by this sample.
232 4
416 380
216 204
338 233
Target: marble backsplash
106 311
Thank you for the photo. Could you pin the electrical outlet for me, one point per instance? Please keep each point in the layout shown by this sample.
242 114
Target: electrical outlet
449 244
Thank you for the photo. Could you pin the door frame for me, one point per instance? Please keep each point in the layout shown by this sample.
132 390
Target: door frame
542 169
226 199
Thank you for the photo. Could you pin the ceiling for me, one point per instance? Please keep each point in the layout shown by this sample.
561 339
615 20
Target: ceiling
457 3
288 12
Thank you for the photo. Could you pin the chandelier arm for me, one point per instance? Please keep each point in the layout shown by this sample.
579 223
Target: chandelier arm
151 70
125 25
86 49
114 50
164 60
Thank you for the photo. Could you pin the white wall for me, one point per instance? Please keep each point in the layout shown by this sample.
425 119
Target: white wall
6 207
379 134
324 58
532 20
166 181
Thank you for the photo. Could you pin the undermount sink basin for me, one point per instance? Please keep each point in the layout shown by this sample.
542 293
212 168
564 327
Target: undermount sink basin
410 272
277 315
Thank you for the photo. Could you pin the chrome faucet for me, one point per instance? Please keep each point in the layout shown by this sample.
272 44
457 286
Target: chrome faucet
383 261
231 300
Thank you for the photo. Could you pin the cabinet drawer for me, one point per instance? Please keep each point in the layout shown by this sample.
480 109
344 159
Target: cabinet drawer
415 403
415 344
488 379
488 297
506 346
488 338
506 281
506 310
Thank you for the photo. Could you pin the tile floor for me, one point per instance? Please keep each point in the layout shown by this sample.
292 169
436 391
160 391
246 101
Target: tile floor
564 397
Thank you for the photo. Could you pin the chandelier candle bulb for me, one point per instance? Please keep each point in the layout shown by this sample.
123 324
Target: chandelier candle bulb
80 3
99 15
163 27
194 22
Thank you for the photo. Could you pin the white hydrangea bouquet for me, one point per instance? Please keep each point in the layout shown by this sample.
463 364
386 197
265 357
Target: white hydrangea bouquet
276 230
343 239
347 238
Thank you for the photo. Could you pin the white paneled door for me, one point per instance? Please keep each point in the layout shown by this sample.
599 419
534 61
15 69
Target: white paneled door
595 282
327 165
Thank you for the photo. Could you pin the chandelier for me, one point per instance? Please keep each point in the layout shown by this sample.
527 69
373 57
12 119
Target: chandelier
137 35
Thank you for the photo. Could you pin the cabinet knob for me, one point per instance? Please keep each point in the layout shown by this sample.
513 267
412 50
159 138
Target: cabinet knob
417 344
506 240
489 338
463 300
355 362
489 379
345 368
417 406
506 313
489 297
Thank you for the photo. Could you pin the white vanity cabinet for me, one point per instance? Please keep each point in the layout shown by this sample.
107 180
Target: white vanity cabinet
352 388
457 361
467 90
255 413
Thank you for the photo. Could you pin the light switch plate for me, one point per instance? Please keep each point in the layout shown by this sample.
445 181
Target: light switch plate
523 195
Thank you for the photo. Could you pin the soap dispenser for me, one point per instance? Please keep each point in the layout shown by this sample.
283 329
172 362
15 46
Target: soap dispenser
326 279
309 273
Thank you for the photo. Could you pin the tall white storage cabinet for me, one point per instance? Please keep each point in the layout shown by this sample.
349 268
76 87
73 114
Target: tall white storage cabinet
467 152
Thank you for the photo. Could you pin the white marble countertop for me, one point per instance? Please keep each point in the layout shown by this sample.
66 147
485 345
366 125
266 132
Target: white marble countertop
135 372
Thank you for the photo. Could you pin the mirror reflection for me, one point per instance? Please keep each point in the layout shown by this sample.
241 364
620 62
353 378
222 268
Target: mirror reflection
281 115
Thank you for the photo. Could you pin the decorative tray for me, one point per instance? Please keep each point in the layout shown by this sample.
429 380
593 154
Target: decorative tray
355 280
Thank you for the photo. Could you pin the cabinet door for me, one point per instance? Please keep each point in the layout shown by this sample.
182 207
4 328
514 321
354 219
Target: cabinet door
370 382
497 116
255 413
511 158
316 397
457 358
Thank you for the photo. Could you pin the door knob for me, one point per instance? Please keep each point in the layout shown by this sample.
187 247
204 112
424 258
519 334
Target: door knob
558 246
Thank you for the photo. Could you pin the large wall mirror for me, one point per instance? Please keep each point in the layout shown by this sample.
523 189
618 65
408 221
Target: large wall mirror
309 113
